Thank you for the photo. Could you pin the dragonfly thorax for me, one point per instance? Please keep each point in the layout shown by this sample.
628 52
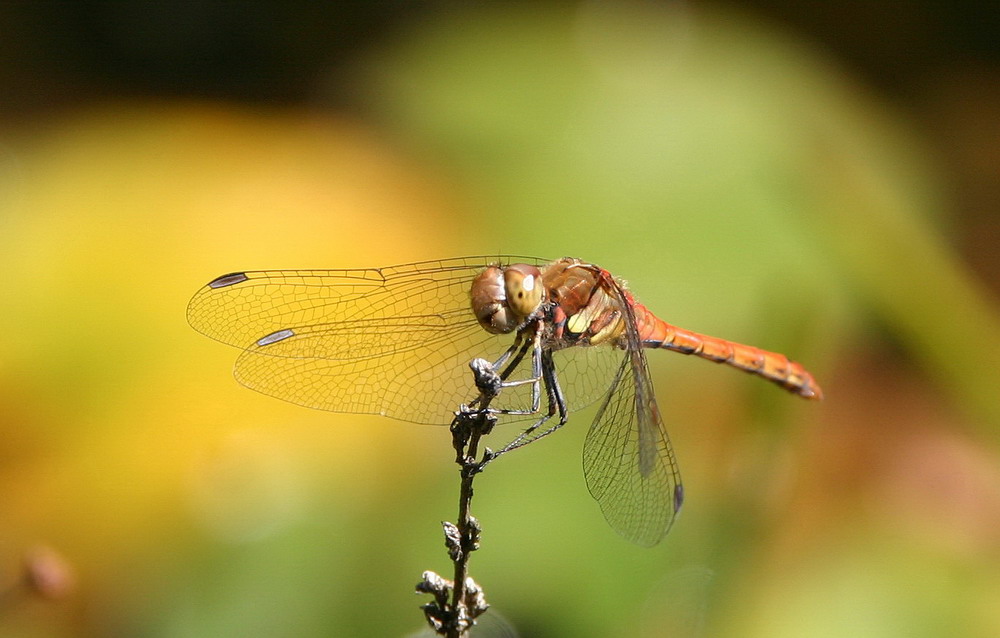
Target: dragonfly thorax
503 297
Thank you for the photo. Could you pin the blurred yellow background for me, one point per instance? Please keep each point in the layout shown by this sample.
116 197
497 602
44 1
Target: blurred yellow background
744 177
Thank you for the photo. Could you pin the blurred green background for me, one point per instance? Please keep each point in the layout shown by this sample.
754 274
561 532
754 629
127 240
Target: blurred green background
814 179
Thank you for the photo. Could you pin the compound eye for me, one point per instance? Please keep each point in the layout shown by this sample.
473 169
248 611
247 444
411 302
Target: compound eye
523 285
489 303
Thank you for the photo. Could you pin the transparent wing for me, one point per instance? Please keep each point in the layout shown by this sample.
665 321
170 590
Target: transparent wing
423 380
585 373
240 308
394 341
628 461
421 373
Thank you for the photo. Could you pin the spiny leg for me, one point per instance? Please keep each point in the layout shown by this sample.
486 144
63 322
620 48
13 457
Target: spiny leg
518 338
497 381
556 403
488 380
536 375
522 349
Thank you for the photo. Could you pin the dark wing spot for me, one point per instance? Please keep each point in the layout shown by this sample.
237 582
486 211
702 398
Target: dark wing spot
678 497
228 280
275 337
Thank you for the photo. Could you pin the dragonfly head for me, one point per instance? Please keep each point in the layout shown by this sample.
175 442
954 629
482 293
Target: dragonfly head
504 296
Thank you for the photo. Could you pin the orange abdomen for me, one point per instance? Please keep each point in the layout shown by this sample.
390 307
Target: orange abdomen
656 333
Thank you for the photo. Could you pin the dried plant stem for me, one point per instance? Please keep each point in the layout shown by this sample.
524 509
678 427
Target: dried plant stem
454 618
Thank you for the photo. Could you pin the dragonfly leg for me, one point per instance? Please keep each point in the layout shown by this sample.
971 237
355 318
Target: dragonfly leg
555 391
556 401
535 344
535 379
521 346
518 338
536 373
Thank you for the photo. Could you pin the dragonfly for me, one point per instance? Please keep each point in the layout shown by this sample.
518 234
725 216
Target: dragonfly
396 341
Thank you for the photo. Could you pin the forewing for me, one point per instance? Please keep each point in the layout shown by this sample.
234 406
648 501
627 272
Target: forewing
394 341
240 308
